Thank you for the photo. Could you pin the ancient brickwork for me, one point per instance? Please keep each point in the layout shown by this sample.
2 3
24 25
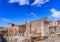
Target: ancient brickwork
37 28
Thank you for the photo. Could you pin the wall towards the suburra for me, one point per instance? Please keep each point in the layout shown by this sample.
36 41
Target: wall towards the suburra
37 28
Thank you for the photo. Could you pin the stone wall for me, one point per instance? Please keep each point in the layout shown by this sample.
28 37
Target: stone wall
37 28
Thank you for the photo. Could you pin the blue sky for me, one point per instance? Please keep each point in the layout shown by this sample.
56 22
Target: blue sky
19 11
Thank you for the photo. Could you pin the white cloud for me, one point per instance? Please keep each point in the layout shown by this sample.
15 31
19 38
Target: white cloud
26 2
4 19
21 2
55 13
11 1
39 2
33 14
